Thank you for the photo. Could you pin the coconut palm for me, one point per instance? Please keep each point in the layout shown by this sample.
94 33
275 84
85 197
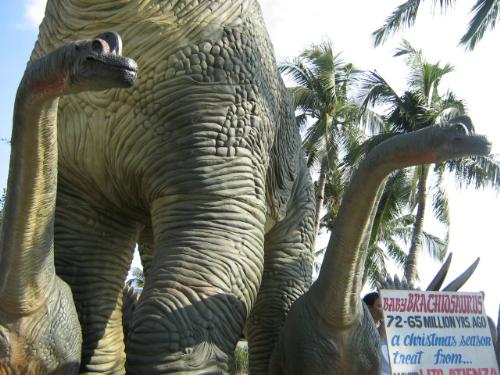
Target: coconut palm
422 105
334 138
136 278
391 227
322 94
393 219
2 201
485 13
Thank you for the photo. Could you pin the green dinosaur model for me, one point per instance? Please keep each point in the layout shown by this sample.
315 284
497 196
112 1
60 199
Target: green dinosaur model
202 159
328 330
39 328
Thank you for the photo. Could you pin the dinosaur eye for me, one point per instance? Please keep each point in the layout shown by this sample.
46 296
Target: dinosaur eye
461 129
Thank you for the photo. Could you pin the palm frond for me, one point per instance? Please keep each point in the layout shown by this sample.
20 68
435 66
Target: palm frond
403 16
477 172
407 50
355 154
137 277
447 107
306 101
375 265
432 75
403 228
396 253
301 120
373 122
373 89
297 71
315 136
440 206
485 14
436 247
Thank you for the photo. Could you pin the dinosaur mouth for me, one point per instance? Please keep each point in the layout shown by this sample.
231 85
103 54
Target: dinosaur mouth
478 144
116 62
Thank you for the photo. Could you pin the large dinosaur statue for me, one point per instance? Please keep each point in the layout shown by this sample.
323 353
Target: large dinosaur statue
203 158
39 328
328 330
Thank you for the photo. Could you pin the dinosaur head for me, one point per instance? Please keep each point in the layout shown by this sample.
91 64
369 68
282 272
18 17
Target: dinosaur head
98 64
458 140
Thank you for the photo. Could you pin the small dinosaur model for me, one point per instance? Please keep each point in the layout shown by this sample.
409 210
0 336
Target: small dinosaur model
39 328
328 330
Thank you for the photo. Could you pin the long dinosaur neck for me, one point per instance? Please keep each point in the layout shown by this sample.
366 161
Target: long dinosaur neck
336 292
26 239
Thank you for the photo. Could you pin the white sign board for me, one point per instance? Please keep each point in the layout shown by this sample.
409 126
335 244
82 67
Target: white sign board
437 333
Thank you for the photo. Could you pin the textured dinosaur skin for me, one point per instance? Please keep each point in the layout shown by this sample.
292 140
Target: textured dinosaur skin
204 157
39 328
329 330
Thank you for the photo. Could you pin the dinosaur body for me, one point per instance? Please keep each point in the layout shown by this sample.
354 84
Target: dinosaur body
329 330
39 328
202 161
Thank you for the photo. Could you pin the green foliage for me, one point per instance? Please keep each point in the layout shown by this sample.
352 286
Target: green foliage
485 13
241 360
323 100
322 95
422 105
336 141
137 277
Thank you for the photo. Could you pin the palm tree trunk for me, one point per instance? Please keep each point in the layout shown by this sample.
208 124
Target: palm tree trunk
320 195
411 274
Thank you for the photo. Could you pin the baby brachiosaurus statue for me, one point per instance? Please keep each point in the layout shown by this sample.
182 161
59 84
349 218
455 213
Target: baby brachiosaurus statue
39 328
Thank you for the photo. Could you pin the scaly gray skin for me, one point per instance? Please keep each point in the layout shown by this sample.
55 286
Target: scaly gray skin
205 155
327 330
39 328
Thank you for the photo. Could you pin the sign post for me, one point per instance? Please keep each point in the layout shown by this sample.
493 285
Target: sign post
437 333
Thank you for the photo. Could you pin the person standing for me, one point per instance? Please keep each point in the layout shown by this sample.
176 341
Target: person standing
374 304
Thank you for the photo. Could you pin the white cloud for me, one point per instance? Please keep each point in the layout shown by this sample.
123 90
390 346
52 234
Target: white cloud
33 13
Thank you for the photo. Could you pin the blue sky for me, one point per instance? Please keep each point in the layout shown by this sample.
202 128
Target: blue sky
17 37
349 24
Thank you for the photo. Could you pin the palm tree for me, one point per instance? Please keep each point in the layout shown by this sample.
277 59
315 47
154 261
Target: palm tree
137 278
332 142
2 201
422 105
321 93
485 13
390 230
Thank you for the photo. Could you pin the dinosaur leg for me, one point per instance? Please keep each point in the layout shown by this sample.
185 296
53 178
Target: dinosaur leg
202 283
93 253
288 262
